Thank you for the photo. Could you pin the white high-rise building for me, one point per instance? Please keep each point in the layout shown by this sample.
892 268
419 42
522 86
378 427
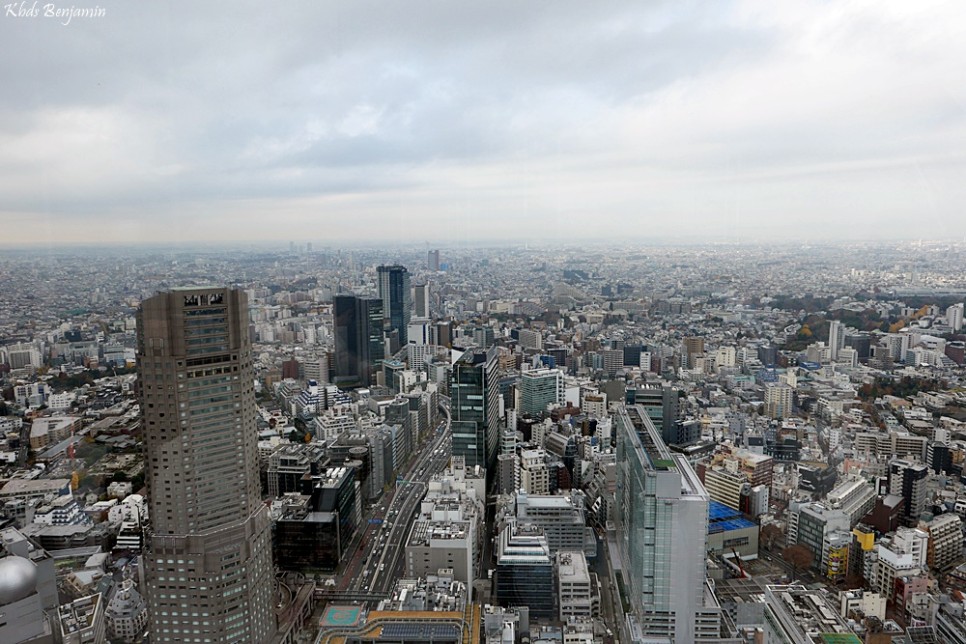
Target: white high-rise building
420 331
848 356
576 595
724 357
594 404
662 537
778 401
954 316
836 338
530 339
534 475
904 553
21 355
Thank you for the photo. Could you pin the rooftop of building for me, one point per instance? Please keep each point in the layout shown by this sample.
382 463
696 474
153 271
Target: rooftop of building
46 423
331 477
545 501
846 487
809 613
541 372
424 532
752 457
572 566
436 593
658 455
522 544
32 486
721 518
79 614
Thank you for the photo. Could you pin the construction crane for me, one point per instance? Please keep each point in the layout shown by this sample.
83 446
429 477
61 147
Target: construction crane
741 568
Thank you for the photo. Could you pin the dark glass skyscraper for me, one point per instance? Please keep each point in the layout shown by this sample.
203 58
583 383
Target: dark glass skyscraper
397 299
208 558
359 344
475 407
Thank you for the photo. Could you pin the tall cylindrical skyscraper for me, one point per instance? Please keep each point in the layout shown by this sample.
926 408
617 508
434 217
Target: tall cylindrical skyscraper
208 557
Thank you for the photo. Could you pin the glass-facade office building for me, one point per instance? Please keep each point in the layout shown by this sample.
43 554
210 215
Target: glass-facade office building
397 299
662 535
475 407
524 571
359 343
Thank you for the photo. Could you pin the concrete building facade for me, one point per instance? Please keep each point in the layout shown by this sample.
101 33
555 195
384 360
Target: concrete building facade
208 559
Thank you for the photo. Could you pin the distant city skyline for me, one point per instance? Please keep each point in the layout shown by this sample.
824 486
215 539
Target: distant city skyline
456 124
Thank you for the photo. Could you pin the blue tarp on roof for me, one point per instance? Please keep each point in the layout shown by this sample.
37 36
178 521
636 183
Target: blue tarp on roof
721 518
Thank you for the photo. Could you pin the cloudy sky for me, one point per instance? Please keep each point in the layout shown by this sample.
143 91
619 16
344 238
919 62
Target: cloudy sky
457 121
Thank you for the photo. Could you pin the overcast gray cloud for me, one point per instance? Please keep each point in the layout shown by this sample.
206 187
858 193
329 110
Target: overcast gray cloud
457 121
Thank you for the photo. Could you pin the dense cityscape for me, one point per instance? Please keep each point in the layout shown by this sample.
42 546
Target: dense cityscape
573 444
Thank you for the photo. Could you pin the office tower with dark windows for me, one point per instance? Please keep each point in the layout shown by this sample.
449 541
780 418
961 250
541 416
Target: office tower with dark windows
208 556
359 343
524 570
475 407
313 529
662 537
909 480
432 262
421 300
862 343
397 299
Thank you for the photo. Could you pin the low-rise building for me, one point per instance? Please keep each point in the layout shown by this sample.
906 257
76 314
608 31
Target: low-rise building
797 615
861 602
126 613
945 540
730 532
52 429
24 488
578 593
82 621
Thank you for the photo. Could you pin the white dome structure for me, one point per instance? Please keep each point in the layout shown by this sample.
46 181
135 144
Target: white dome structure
18 579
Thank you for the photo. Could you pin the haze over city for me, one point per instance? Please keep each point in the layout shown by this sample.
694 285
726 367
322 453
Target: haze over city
455 123
483 323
